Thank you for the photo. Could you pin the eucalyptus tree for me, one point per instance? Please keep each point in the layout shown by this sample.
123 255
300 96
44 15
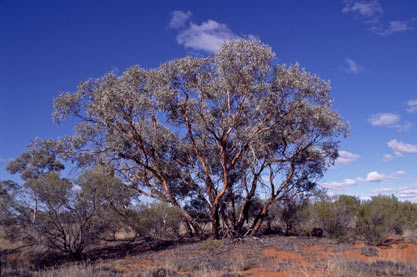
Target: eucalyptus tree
56 212
223 129
71 219
10 208
39 160
70 215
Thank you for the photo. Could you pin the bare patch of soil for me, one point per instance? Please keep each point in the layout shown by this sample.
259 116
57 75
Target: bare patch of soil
273 256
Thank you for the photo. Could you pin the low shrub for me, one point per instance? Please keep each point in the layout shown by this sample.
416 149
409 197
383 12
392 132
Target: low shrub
211 245
335 217
158 220
378 219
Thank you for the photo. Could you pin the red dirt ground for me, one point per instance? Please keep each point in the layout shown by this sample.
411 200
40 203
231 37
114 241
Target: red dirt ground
268 256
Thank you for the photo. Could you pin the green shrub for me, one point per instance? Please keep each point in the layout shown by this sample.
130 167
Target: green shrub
155 219
337 218
378 218
407 216
211 245
286 214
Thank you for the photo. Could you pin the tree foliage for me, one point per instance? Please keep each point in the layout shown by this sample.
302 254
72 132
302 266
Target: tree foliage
221 129
55 212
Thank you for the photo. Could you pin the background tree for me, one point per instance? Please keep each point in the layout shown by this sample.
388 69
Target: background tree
67 215
38 161
210 128
70 218
11 209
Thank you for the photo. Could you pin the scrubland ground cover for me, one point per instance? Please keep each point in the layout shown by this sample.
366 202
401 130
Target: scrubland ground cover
253 256
331 240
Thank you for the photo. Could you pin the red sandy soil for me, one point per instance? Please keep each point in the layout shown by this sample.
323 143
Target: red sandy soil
266 256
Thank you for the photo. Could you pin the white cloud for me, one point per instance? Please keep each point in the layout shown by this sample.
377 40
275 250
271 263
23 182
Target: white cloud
339 185
374 177
382 190
401 148
399 172
396 174
208 36
179 18
352 66
403 127
383 119
395 26
368 11
388 157
5 160
345 158
412 106
389 120
408 192
366 198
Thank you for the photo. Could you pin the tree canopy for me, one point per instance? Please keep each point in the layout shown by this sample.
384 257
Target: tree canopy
224 130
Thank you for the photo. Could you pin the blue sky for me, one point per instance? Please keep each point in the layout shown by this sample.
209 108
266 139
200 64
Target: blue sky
367 49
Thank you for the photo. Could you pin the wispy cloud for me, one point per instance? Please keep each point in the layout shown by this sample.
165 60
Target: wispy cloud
395 175
400 148
409 193
412 106
389 120
345 158
339 185
208 36
178 19
352 66
372 177
383 119
395 26
382 191
399 172
388 157
370 12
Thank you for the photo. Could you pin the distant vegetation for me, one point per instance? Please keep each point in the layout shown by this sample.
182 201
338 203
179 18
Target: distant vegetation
73 228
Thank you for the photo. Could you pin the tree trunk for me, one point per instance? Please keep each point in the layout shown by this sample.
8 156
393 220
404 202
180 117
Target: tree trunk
35 208
191 223
215 222
256 226
244 215
188 227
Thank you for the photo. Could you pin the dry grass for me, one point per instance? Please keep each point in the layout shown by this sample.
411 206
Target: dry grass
341 266
410 235
264 256
207 265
